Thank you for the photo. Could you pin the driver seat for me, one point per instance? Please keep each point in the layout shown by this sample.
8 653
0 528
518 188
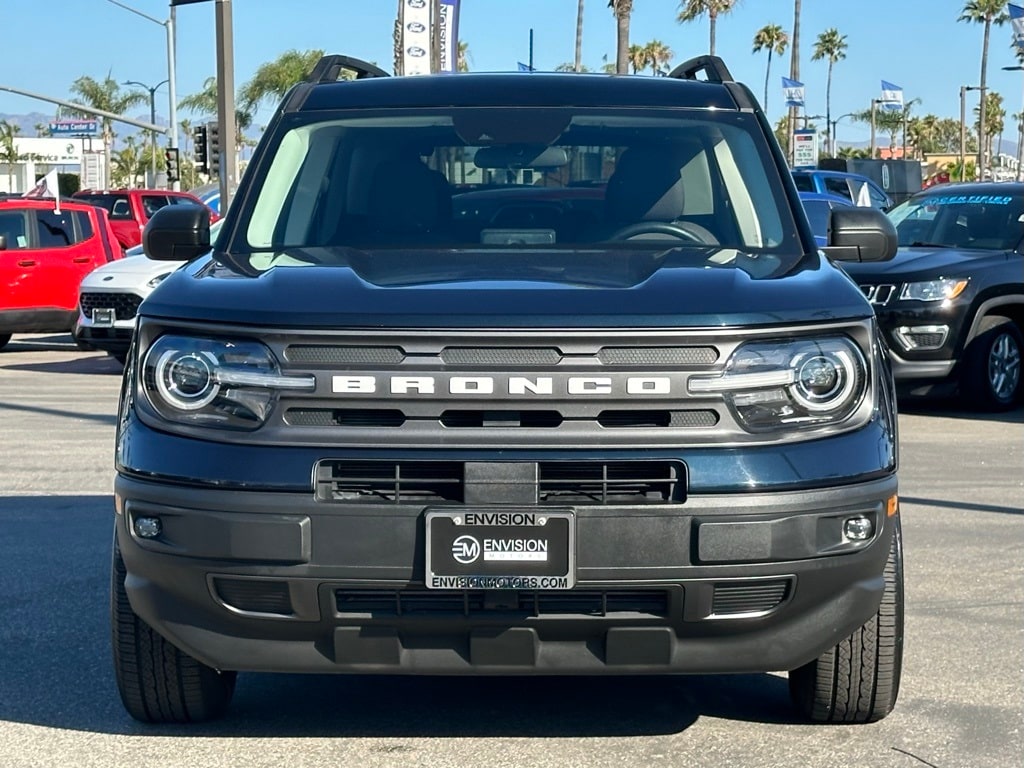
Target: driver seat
645 186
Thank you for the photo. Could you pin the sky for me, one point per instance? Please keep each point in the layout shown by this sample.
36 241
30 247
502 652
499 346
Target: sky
916 44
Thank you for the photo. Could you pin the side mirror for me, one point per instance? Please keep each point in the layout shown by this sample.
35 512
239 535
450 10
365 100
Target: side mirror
860 234
3 242
177 233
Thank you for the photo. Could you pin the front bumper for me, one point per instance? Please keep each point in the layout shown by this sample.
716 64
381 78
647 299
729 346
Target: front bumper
276 581
114 339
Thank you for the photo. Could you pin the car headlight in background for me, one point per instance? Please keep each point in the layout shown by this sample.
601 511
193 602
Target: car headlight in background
223 383
800 383
944 289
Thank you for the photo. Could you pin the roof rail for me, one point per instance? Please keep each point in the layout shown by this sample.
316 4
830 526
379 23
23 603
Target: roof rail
328 69
713 67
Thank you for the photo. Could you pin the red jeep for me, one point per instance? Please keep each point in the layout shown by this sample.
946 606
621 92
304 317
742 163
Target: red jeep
43 257
130 209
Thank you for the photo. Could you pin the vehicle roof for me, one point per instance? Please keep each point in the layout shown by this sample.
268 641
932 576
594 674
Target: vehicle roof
84 192
44 202
527 89
825 197
975 188
826 172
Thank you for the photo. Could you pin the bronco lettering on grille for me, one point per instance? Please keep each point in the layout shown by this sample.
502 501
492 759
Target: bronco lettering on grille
528 386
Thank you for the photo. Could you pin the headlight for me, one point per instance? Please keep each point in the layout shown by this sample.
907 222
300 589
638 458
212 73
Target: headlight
222 383
803 383
154 282
943 289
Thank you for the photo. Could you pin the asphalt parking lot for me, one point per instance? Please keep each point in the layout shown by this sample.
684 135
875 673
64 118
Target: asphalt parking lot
961 703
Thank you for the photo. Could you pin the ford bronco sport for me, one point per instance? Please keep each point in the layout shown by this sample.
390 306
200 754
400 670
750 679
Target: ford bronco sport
518 374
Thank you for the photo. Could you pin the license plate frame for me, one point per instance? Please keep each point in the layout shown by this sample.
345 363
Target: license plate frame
521 549
104 317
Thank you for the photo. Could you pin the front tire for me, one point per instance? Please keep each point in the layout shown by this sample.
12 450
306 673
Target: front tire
991 378
858 680
159 683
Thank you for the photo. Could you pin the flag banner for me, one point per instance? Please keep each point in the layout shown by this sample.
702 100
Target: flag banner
449 35
892 96
524 67
415 37
793 92
1017 22
47 187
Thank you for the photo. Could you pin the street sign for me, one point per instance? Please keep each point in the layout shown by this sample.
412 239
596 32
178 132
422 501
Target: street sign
74 127
805 148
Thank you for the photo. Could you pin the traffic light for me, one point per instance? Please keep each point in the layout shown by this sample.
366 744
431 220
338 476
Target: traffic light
213 151
171 158
199 141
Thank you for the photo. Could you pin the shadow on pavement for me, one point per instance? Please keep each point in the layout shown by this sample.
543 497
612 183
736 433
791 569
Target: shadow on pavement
56 671
953 408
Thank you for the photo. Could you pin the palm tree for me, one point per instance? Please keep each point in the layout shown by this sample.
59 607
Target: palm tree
622 9
658 55
106 95
995 116
128 163
775 40
8 150
42 129
462 57
275 78
578 60
832 46
204 104
690 10
987 12
638 58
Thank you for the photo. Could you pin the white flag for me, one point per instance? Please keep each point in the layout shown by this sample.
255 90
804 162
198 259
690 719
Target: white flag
47 187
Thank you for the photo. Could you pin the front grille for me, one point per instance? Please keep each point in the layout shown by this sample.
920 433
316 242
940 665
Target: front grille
559 482
878 294
744 597
651 419
125 305
418 602
328 354
344 417
648 357
255 595
479 419
500 356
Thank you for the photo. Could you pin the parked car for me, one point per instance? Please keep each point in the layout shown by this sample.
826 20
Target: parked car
951 304
859 190
43 257
130 209
208 194
818 208
110 295
361 436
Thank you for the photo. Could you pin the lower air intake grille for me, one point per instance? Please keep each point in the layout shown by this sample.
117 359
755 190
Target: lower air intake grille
744 598
255 595
125 305
559 482
412 602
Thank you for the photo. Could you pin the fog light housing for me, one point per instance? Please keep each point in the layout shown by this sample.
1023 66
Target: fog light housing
858 528
148 527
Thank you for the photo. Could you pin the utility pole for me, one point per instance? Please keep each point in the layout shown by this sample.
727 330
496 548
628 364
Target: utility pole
226 102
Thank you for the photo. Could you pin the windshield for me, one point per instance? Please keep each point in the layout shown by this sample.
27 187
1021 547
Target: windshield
506 181
986 222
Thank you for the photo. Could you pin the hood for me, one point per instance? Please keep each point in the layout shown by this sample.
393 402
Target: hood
130 271
642 290
910 263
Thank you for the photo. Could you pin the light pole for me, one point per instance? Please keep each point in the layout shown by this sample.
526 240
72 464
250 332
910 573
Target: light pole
832 140
1020 127
172 92
963 126
152 116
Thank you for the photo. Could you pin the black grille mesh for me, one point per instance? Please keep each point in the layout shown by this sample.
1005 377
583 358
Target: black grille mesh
125 305
324 354
748 597
500 356
255 595
412 602
658 356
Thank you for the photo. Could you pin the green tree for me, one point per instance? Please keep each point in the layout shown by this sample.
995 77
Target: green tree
568 66
462 57
106 95
775 40
995 116
658 55
42 129
204 104
623 10
831 46
987 13
127 164
274 79
691 10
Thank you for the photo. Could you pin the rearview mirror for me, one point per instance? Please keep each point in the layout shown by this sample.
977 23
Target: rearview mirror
860 234
520 156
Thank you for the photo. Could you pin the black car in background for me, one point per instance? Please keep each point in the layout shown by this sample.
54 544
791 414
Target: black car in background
951 304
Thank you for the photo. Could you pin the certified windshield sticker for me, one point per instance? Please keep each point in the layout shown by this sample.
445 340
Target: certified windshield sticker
971 199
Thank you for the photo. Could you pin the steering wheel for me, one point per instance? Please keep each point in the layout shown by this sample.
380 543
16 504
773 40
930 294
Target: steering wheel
684 230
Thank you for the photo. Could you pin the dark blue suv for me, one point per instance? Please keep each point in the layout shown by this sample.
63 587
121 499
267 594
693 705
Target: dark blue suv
624 419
